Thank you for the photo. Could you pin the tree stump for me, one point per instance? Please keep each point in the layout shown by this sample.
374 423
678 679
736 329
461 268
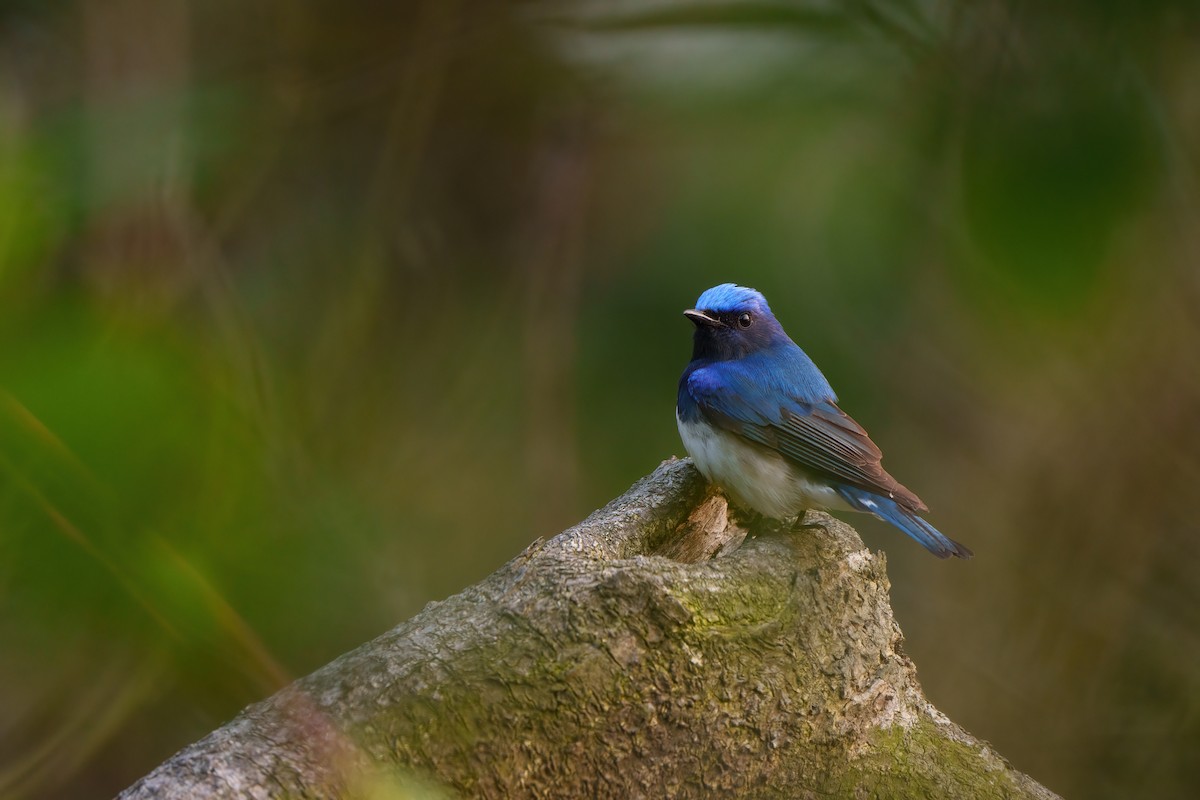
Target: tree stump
640 654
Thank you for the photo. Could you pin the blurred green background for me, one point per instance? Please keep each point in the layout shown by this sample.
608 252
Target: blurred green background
311 313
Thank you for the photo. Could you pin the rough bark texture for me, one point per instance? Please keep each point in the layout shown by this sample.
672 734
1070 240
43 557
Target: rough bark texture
589 666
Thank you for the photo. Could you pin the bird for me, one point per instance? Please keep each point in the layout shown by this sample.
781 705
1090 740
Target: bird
761 421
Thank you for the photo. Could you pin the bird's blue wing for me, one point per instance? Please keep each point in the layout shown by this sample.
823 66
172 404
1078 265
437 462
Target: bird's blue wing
766 405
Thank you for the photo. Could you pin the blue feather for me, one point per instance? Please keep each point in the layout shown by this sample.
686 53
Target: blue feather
892 512
731 297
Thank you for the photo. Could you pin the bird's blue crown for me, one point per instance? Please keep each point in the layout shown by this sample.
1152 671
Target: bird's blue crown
730 297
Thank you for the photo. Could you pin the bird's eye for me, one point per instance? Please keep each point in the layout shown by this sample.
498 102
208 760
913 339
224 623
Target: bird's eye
744 319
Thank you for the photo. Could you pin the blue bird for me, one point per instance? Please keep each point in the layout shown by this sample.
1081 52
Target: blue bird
760 421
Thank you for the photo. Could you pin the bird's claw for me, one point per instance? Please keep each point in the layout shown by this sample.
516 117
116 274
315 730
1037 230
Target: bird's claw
799 524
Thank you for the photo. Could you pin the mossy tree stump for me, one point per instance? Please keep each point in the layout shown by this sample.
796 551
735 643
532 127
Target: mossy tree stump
642 653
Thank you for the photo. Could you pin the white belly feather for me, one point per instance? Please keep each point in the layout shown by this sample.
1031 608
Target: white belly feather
754 477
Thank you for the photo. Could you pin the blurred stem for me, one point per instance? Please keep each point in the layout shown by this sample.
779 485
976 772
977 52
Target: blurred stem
136 68
105 697
406 138
73 533
552 269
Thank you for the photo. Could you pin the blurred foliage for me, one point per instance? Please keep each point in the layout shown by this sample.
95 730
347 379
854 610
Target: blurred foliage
312 313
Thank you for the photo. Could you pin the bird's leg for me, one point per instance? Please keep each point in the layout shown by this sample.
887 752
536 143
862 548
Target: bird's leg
799 524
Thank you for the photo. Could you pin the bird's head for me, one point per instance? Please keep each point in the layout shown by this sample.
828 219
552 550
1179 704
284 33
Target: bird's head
731 322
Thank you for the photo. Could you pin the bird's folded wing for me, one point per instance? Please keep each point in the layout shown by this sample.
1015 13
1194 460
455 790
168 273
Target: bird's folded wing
814 434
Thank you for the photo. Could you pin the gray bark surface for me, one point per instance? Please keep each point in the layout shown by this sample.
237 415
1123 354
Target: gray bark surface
622 659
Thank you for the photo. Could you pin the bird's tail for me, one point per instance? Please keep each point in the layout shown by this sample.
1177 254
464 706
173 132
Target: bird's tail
889 510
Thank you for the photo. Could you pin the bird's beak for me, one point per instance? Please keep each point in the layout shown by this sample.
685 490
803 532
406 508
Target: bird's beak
700 318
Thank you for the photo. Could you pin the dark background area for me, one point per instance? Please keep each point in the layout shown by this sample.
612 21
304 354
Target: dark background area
311 313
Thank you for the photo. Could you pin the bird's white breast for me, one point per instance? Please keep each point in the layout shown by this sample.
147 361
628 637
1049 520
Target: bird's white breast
755 477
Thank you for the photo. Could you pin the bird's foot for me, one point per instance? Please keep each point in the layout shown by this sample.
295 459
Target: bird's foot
806 521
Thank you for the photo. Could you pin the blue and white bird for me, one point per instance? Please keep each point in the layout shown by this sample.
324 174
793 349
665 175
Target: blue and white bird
760 421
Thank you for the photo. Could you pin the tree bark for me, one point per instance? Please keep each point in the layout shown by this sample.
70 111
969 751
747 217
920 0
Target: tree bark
641 653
